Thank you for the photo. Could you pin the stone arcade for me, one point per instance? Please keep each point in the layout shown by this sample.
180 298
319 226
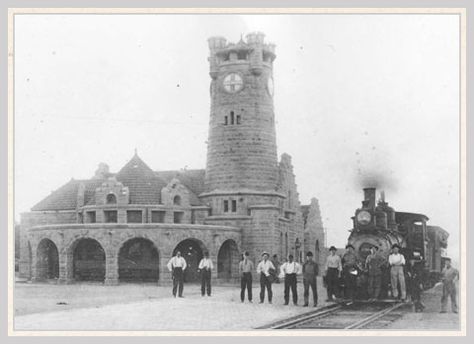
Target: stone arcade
125 226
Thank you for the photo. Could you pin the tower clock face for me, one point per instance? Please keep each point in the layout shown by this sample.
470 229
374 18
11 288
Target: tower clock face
270 86
233 83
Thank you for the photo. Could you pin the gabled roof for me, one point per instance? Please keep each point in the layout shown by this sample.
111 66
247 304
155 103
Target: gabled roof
65 198
143 184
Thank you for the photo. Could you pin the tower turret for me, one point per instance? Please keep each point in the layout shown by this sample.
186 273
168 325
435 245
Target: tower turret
242 150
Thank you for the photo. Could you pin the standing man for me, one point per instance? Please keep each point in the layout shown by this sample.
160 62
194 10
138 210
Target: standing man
245 270
373 265
176 266
289 270
206 266
396 260
449 277
415 278
263 269
332 273
310 271
349 268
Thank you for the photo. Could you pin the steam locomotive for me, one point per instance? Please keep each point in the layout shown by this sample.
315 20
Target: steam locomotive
378 224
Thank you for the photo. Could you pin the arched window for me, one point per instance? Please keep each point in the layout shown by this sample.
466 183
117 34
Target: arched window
177 200
111 199
232 117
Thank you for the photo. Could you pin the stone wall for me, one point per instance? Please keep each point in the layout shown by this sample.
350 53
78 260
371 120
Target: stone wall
112 237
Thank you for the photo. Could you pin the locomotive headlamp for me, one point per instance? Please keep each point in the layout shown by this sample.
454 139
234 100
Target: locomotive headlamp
364 217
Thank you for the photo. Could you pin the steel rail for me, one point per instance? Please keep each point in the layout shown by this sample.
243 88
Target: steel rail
306 317
373 317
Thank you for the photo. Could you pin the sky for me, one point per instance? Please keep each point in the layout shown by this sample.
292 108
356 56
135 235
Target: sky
360 100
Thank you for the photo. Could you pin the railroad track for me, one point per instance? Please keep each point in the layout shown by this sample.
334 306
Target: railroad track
347 316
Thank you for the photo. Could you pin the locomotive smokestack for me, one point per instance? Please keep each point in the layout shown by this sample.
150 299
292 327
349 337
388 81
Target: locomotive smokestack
369 195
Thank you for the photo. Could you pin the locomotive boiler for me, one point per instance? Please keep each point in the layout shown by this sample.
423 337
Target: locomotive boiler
378 224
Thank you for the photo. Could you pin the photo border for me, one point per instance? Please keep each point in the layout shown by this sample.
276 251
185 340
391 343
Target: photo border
197 10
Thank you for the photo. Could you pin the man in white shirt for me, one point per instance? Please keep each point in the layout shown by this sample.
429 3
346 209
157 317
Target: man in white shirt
289 270
205 266
333 273
396 260
176 266
263 268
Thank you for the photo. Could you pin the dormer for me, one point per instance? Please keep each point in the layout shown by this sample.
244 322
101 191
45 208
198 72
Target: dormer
175 194
112 193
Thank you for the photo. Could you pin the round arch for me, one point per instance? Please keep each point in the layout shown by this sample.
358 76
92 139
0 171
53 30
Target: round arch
88 261
47 260
192 250
228 260
138 261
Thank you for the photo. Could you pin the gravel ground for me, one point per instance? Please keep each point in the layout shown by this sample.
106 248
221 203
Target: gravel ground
144 307
147 307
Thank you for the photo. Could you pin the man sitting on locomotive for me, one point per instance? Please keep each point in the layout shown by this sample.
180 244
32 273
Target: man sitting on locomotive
396 260
373 265
350 272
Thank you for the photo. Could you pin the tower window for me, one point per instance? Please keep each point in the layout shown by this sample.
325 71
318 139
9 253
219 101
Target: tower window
177 200
234 206
238 119
226 120
232 117
226 206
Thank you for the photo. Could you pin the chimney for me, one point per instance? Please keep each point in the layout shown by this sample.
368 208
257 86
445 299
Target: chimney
369 196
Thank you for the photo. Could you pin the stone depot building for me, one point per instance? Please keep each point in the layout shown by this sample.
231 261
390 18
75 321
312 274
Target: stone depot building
125 226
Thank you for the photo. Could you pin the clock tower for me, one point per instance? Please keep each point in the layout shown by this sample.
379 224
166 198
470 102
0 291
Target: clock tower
242 154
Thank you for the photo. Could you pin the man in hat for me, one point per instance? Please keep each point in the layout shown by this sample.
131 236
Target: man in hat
332 273
373 265
176 266
205 267
415 278
289 270
310 271
349 268
263 269
396 260
449 277
245 270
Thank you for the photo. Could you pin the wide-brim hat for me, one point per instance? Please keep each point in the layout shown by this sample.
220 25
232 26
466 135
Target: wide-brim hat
349 245
332 248
309 254
396 245
265 253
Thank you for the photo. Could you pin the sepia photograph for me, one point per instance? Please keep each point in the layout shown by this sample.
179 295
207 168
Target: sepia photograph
237 171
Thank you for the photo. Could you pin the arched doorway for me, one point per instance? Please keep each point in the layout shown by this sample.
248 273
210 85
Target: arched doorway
192 250
138 261
88 261
47 264
228 260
